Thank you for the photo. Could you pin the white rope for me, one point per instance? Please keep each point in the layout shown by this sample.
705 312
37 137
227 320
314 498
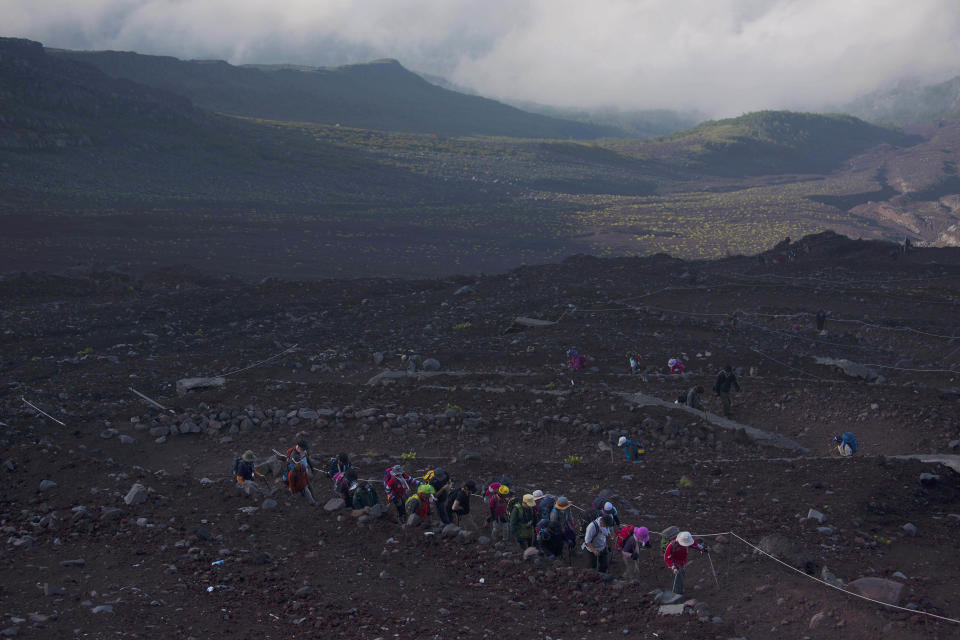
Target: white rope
257 364
153 402
42 411
786 365
832 586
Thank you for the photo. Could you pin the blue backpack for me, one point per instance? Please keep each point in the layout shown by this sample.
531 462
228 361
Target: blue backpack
850 440
546 506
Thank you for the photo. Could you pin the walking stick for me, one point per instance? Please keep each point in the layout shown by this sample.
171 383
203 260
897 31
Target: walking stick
713 569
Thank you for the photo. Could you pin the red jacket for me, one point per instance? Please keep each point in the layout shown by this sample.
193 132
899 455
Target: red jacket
676 554
498 509
396 488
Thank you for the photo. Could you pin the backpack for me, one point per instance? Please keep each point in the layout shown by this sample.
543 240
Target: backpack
546 506
621 538
338 481
541 532
850 439
682 398
236 466
436 477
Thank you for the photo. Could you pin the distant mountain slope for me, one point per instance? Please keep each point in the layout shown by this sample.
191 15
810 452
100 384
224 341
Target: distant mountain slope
903 106
71 134
767 142
377 95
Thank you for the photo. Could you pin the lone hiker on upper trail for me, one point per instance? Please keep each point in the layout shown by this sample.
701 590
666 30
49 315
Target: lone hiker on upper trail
676 557
725 380
299 470
846 444
632 449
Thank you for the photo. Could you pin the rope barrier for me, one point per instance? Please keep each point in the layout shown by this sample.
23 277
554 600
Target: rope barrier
786 365
832 586
35 407
257 364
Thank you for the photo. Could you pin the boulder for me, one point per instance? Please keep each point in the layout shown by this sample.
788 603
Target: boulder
530 553
671 609
46 485
377 511
431 364
138 494
880 589
189 384
817 620
450 531
813 514
334 505
849 368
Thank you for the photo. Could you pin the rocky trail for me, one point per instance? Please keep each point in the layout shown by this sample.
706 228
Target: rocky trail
125 521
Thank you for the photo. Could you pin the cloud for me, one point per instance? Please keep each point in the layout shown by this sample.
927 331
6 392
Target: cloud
720 56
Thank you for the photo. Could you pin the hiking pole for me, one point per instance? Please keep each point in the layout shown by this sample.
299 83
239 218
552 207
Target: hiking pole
713 569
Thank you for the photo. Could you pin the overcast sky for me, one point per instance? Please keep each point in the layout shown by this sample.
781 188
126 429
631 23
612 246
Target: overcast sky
723 57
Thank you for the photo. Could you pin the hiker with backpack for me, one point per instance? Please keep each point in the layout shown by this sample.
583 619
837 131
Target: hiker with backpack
363 495
632 543
338 464
561 515
545 502
439 479
458 503
523 519
595 542
606 507
244 469
675 557
725 380
635 361
342 481
631 449
418 505
846 444
676 366
397 484
498 518
693 398
299 470
549 538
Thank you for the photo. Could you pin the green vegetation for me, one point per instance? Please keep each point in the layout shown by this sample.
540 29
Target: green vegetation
573 460
408 457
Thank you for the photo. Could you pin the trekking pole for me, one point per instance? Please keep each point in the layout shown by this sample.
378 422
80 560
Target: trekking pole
713 569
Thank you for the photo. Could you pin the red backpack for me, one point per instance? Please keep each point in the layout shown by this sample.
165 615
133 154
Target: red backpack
621 538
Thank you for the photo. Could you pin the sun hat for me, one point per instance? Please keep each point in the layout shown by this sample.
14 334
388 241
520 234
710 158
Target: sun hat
622 441
537 495
642 534
685 539
562 503
503 490
528 500
248 456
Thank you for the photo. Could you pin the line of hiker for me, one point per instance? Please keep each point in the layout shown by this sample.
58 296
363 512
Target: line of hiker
535 520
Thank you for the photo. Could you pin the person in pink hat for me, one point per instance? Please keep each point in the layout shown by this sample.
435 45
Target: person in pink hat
634 549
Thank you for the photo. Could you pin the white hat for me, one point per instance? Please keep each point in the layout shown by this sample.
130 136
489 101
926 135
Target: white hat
685 539
537 495
671 362
608 507
353 486
622 441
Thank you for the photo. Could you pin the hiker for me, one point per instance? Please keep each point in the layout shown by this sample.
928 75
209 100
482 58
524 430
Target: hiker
693 398
494 486
499 526
458 502
523 519
244 469
725 380
676 557
564 518
606 507
545 502
676 366
550 538
634 543
821 318
440 481
595 541
363 495
635 360
631 449
299 470
414 363
846 444
397 484
339 464
341 484
419 505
